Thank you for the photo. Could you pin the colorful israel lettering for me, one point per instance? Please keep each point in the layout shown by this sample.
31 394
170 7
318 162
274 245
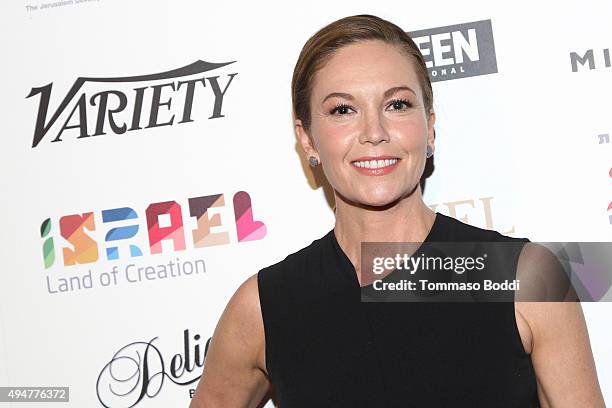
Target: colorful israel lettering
164 221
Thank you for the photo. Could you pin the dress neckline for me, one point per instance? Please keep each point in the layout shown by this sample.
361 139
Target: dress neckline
347 265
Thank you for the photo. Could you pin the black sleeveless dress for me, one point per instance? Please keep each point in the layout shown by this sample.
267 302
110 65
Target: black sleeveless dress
326 348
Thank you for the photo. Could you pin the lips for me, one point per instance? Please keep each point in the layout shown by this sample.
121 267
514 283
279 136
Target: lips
375 165
375 161
382 157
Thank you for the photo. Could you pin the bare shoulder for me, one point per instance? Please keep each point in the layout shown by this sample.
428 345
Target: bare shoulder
539 270
243 321
535 257
542 276
243 312
234 369
558 335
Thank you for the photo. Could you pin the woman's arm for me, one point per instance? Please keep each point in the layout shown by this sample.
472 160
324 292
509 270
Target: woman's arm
562 356
233 373
561 351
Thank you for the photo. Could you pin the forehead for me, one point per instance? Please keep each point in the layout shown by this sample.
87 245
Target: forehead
365 67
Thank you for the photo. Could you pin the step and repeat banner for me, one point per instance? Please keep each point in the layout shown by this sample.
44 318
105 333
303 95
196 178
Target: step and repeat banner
148 166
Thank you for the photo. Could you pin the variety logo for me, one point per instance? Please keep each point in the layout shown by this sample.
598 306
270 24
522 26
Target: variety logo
457 51
119 111
139 369
591 58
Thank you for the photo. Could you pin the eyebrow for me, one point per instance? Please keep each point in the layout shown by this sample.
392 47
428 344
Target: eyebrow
387 93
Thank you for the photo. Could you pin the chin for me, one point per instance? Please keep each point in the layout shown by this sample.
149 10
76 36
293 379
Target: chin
378 200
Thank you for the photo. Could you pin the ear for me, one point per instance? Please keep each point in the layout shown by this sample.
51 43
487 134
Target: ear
431 135
304 139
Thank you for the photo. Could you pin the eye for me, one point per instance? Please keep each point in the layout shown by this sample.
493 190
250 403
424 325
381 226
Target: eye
341 108
399 104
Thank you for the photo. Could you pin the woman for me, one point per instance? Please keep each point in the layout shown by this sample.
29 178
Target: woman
362 103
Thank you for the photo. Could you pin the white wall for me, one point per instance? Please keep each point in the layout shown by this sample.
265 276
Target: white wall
527 136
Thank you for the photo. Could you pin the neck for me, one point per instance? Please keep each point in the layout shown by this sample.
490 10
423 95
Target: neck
407 220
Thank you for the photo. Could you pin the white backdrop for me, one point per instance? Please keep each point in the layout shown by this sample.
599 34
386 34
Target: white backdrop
517 150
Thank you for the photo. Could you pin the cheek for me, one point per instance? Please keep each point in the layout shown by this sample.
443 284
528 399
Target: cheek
411 134
334 141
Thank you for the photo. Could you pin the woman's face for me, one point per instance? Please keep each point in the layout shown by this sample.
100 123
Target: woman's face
366 103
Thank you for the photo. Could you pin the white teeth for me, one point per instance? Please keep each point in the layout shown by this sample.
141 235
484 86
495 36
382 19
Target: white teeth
375 164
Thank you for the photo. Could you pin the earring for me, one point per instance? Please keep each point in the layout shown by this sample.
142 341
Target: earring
313 161
429 151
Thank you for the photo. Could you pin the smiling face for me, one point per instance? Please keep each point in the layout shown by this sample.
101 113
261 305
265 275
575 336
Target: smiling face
369 126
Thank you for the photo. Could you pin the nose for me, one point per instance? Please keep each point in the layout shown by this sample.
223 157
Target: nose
373 129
